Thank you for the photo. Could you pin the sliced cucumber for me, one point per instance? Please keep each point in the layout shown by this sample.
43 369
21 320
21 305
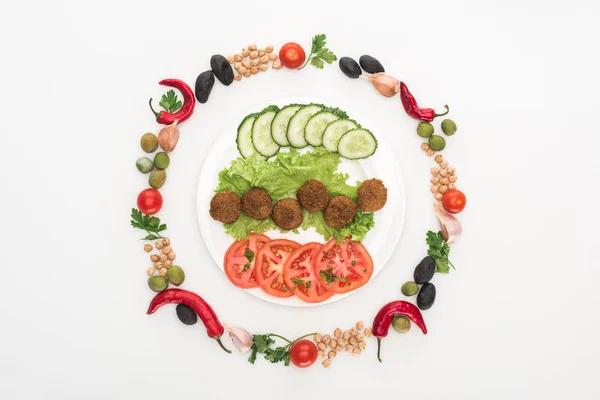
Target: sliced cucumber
280 123
261 132
295 130
334 132
315 127
357 143
244 139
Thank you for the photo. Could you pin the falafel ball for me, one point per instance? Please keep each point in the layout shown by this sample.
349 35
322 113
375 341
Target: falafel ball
339 211
372 195
256 203
287 214
225 207
313 195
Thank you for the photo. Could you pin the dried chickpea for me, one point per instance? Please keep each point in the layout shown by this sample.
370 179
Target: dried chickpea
150 271
362 345
242 70
368 332
158 265
269 49
252 47
326 339
147 248
261 52
337 333
171 256
166 242
439 158
317 337
237 76
163 257
435 180
443 189
451 186
238 57
352 340
168 264
434 171
360 325
247 64
273 57
154 258
277 65
230 59
452 178
245 52
443 173
451 170
321 353
263 67
339 348
322 346
166 250
264 59
331 354
333 343
346 335
353 331
254 70
444 181
326 363
253 55
163 272
255 62
435 189
356 351
360 337
341 340
349 347
438 196
444 164
430 152
246 73
237 66
424 146
159 245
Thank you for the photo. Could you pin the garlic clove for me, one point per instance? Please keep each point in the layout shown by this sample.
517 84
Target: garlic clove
451 227
240 338
386 85
168 137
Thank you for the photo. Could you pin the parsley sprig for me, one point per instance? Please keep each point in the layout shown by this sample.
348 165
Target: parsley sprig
151 225
170 102
328 276
319 54
439 249
264 344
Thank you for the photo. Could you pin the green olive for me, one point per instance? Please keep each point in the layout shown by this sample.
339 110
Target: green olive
176 275
437 143
401 324
157 178
409 288
144 165
448 127
158 283
161 160
149 142
424 129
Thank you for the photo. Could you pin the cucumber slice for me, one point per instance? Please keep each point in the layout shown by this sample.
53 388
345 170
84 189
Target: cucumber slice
315 127
295 130
261 132
334 132
357 143
280 123
244 139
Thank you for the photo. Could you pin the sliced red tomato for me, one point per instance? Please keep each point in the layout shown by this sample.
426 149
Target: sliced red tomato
299 273
343 267
269 266
238 268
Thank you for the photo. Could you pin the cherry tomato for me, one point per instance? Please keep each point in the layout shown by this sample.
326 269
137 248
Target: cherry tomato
303 353
454 201
292 55
149 201
269 266
239 270
343 267
299 273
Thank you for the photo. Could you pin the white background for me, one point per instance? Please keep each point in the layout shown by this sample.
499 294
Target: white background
517 319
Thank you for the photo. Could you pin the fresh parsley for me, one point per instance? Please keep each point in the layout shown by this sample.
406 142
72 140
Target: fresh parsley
319 54
170 102
246 267
329 277
439 249
297 282
151 225
264 344
249 254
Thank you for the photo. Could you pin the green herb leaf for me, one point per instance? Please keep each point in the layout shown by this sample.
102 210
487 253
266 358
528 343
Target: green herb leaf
169 102
319 54
147 223
440 250
249 254
246 267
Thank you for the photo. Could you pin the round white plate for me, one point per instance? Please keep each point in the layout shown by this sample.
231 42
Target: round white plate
380 241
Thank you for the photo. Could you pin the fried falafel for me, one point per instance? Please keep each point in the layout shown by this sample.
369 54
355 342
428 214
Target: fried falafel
372 195
225 207
287 214
256 203
339 211
313 195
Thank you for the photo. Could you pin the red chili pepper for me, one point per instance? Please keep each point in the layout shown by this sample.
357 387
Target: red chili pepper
383 319
412 108
186 109
196 303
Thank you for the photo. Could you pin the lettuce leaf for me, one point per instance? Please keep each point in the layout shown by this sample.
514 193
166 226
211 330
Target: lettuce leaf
282 177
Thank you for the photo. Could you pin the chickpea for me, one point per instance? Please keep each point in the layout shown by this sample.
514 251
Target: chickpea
451 170
349 348
434 171
166 242
171 256
263 67
337 333
424 146
273 57
353 340
168 264
237 66
242 70
356 351
360 337
238 57
326 339
326 363
154 258
245 52
237 76
322 346
264 59
444 164
162 258
150 271
252 47
339 348
253 55
368 332
438 196
230 59
247 64
246 73
435 181
452 178
341 340
439 158
444 181
254 70
360 325
331 354
159 245
353 331
147 248
317 337
261 53
435 189
362 345
430 152
346 335
166 250
321 353
277 65
269 49
158 265
333 343
163 272
443 173
451 186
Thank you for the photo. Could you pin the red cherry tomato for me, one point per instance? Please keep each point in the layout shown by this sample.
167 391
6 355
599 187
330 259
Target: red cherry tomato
454 201
149 201
303 353
292 55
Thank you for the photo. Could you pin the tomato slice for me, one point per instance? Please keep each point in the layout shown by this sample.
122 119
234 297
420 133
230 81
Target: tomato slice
238 269
343 267
299 273
269 266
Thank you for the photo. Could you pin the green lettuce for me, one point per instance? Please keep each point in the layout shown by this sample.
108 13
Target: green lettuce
282 177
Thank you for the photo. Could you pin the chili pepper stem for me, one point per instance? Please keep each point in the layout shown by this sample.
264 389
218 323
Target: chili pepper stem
218 339
379 349
152 108
447 111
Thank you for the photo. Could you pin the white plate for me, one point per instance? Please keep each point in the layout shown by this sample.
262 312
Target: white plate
380 241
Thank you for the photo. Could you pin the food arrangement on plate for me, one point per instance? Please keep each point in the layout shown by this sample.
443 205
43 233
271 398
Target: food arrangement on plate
285 182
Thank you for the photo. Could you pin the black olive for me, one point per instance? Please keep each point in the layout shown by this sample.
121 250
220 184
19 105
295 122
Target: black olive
186 314
221 68
350 67
204 84
426 296
425 270
370 64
